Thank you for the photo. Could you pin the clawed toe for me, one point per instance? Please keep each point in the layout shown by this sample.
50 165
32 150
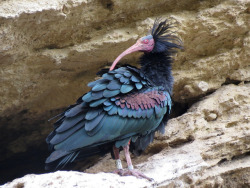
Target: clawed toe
133 172
139 174
119 172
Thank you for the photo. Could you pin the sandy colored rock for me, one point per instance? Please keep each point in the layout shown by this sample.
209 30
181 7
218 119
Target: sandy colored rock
76 179
217 155
50 50
199 150
53 47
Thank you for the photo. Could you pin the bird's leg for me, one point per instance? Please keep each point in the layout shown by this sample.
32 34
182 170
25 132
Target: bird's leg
118 162
131 171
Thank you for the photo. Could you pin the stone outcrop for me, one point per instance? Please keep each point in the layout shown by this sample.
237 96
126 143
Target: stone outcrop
56 46
205 147
50 50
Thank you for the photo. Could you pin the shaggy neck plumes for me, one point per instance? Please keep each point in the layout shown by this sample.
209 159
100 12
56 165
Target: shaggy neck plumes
157 67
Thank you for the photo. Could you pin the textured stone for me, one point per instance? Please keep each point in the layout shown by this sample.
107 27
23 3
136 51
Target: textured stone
76 179
49 46
197 150
216 157
50 50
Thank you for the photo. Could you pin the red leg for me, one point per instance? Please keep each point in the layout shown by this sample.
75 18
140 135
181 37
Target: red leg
128 159
116 152
118 162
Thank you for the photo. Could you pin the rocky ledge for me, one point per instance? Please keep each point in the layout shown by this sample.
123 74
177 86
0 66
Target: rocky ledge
50 50
206 147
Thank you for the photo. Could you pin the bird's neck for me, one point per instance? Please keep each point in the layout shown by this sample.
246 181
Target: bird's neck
157 68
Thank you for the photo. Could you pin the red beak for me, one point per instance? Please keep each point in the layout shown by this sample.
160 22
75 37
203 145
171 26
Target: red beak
134 48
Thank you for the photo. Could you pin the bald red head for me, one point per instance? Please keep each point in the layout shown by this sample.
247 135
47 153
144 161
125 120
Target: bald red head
144 44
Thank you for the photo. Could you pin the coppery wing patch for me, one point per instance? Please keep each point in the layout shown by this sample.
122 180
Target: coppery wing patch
141 100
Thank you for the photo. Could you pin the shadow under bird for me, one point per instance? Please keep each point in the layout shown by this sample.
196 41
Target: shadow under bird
123 109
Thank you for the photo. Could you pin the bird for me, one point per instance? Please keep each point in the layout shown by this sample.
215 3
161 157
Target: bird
123 108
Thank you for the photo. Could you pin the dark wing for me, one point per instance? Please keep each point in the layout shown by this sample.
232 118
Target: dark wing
120 106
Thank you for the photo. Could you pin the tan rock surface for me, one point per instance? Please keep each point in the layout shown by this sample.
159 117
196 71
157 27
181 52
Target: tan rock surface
50 50
218 154
218 144
52 47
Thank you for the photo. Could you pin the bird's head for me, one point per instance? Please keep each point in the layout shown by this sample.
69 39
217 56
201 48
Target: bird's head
160 40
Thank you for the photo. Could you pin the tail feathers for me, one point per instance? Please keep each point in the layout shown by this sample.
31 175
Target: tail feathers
99 149
67 159
50 136
58 115
59 158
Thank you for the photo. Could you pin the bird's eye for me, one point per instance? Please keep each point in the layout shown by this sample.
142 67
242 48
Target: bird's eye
145 41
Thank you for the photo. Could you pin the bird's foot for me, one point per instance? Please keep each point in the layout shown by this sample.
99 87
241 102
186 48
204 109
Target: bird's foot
132 172
118 171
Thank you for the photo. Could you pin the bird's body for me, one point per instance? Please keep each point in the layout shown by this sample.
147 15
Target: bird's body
125 106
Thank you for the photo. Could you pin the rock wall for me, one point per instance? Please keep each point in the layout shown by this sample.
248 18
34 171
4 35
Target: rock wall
50 50
205 147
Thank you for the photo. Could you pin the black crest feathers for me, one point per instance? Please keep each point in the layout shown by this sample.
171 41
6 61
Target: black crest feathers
165 39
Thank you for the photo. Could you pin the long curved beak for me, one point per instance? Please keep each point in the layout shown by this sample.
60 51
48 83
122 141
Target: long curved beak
134 48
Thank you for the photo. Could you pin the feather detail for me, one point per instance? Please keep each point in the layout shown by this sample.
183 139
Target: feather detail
150 112
63 136
108 76
97 103
157 109
74 111
127 74
124 80
92 84
118 75
96 95
90 125
87 97
135 79
107 108
114 85
69 123
99 87
113 110
126 88
138 85
108 93
107 103
91 114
